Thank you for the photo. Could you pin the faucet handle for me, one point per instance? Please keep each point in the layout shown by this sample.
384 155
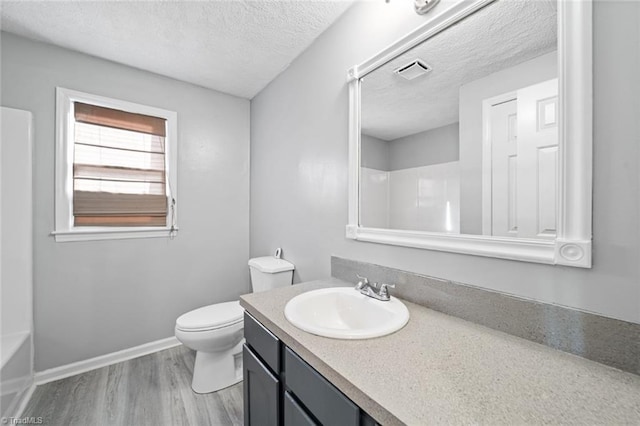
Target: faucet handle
384 292
363 281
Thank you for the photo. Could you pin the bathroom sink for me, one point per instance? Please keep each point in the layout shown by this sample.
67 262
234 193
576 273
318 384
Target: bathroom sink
345 313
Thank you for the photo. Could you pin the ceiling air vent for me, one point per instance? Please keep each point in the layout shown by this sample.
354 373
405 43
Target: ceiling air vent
413 69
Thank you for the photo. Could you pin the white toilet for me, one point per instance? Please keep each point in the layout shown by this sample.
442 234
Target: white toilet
216 331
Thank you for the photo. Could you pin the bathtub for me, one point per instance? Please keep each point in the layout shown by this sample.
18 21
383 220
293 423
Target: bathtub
16 255
16 372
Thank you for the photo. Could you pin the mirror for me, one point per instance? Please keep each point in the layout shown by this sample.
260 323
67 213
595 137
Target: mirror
460 134
424 115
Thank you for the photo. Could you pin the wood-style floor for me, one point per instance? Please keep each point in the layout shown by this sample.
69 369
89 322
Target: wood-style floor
153 390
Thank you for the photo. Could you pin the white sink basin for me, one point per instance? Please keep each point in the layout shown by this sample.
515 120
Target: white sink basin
345 313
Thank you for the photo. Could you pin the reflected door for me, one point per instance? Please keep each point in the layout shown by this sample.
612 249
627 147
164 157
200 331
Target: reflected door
523 131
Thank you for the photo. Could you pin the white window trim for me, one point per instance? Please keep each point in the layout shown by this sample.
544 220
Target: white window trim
64 228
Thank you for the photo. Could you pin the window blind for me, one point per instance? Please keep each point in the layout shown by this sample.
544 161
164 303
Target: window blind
119 175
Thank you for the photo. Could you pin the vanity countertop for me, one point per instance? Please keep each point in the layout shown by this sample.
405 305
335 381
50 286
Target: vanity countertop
441 369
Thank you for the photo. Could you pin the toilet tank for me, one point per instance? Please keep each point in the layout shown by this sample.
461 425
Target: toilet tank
269 272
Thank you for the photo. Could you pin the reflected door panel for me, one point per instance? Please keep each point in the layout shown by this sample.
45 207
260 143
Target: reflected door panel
524 160
538 159
504 170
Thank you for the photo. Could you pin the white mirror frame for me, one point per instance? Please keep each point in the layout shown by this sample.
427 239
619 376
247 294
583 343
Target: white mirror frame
572 246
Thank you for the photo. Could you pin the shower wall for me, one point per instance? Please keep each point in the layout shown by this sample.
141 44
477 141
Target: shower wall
412 182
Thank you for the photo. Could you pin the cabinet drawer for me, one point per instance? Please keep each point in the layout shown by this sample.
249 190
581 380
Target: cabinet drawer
294 414
263 342
319 396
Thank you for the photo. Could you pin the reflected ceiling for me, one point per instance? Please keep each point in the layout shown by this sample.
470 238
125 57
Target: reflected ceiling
503 34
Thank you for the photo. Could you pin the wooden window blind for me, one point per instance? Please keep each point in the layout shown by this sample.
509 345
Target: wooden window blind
119 174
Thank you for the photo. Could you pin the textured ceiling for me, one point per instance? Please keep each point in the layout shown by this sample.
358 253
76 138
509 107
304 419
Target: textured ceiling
234 46
499 36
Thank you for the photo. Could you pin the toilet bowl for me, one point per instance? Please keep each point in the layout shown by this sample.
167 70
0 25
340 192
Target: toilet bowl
216 331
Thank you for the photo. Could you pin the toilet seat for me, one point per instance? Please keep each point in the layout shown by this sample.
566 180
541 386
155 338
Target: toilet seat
211 317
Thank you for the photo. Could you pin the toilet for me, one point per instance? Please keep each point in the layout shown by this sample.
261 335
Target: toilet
216 331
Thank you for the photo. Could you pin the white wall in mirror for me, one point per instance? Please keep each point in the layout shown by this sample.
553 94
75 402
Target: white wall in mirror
443 194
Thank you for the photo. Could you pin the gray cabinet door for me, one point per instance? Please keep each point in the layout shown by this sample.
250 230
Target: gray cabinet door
261 392
294 414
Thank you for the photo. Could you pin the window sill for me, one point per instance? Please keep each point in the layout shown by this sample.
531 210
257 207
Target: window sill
97 234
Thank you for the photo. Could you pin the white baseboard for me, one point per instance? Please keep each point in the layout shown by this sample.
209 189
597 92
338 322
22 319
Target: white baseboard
64 371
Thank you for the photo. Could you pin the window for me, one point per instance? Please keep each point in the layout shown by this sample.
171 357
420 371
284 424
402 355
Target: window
116 169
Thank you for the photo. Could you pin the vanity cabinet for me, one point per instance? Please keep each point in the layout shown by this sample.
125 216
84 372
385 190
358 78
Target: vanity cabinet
261 371
280 388
261 392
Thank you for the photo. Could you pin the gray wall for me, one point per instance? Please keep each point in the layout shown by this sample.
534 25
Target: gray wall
472 94
374 153
93 298
299 168
435 146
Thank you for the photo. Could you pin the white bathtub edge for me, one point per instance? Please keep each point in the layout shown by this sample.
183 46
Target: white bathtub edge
24 399
10 343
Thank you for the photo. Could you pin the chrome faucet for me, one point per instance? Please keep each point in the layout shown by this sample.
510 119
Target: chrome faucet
372 290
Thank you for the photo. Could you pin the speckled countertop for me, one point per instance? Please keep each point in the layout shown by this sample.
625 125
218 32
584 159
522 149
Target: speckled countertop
441 369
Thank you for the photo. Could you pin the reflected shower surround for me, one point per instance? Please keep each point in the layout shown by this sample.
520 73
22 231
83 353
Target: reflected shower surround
423 198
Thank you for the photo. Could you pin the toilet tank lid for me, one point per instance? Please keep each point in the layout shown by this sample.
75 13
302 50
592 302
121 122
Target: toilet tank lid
270 264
